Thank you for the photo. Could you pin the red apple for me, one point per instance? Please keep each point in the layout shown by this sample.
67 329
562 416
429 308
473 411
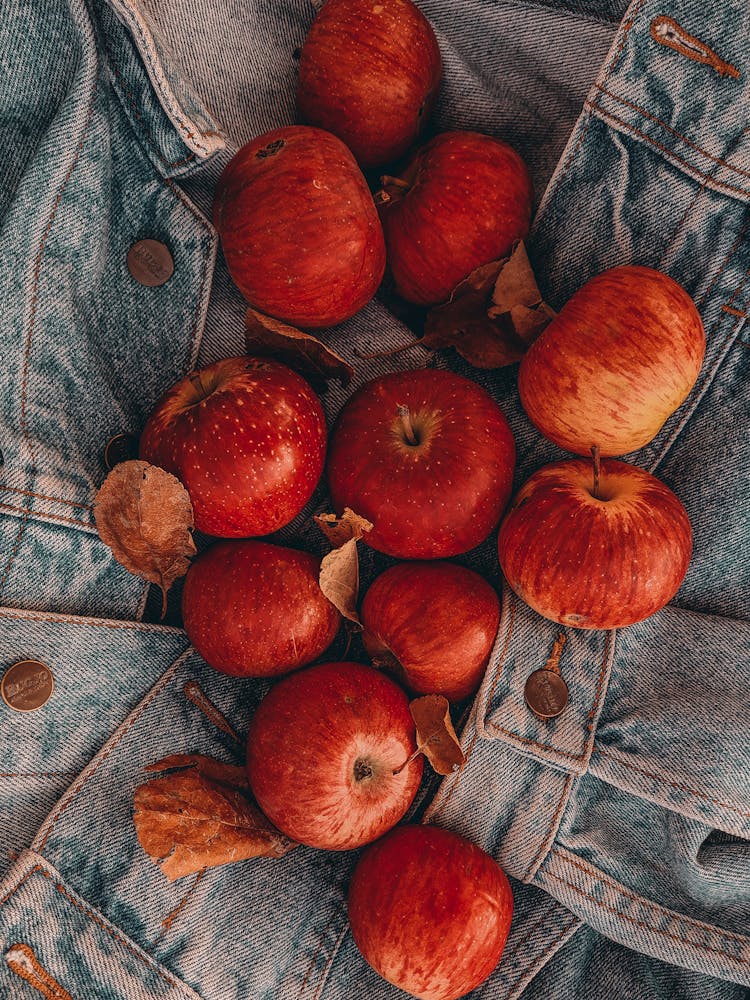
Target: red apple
463 201
428 457
255 610
299 228
434 624
595 558
247 438
430 911
325 752
369 72
619 358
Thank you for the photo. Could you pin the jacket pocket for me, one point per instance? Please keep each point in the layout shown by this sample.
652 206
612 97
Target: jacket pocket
62 948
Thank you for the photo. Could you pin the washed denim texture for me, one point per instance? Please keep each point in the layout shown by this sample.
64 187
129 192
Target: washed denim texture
624 823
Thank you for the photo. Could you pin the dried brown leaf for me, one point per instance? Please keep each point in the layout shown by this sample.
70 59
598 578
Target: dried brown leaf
516 297
339 570
145 516
436 737
208 767
493 315
198 818
463 323
266 336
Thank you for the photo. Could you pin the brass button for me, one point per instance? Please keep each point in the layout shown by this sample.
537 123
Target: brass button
120 448
546 693
27 685
150 263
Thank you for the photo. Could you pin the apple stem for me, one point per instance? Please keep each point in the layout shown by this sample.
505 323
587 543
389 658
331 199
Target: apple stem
553 663
597 468
195 378
408 761
408 427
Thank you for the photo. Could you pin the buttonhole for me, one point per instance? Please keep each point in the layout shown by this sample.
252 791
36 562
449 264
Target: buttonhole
21 960
666 31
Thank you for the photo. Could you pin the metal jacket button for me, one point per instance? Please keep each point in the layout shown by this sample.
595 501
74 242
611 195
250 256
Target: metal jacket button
150 262
120 448
546 693
27 685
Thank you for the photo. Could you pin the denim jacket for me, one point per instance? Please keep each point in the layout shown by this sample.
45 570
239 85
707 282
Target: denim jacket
624 823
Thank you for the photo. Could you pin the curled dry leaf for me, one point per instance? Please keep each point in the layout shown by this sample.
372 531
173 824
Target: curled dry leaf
516 295
303 352
493 315
436 737
200 817
339 570
145 516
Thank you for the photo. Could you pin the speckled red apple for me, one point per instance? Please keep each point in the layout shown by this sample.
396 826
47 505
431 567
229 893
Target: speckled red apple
247 439
299 228
369 72
427 456
252 609
430 911
462 201
595 555
435 623
326 752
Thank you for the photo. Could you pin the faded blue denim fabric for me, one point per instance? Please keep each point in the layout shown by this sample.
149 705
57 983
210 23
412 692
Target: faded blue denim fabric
625 823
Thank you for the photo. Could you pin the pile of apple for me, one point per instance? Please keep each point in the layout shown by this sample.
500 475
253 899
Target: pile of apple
427 456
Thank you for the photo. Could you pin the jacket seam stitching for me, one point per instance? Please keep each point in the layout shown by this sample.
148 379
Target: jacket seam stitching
76 789
671 784
545 844
45 496
660 911
32 319
44 516
13 615
647 926
593 872
589 720
87 912
678 135
669 153
146 54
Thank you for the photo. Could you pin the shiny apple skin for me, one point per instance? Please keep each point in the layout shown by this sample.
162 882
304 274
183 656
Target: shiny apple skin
440 497
469 200
247 439
313 740
438 619
370 73
621 356
252 609
430 911
595 563
299 228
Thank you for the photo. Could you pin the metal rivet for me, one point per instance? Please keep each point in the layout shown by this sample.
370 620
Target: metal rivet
150 263
546 693
27 685
120 448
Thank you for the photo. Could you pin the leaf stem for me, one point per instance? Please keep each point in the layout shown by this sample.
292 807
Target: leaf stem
409 759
